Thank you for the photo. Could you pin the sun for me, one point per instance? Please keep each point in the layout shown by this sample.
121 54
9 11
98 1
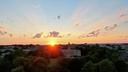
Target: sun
52 42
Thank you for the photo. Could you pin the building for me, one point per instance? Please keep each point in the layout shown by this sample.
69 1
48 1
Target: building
70 51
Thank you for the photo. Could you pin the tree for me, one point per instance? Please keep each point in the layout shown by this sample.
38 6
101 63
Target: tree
30 64
18 69
75 65
121 66
106 66
88 67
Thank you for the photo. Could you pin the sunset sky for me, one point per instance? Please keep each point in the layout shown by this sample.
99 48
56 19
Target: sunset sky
63 21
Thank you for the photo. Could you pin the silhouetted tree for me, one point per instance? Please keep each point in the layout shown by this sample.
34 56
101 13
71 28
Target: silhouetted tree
106 66
88 67
121 66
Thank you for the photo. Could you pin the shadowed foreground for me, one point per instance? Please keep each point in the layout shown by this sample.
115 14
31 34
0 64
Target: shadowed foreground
93 59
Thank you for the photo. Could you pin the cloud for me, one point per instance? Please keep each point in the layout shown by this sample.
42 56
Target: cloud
11 35
109 28
58 17
95 33
77 24
5 32
38 35
123 15
54 34
2 32
104 24
79 14
123 12
24 35
68 34
91 34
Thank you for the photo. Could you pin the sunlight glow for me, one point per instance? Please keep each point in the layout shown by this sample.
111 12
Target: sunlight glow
52 42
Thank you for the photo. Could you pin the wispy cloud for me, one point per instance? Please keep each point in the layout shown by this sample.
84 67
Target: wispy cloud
123 15
123 12
5 32
2 31
38 35
110 28
97 32
94 33
79 14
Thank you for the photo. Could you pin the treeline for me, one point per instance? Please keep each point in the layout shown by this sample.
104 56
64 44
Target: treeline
93 59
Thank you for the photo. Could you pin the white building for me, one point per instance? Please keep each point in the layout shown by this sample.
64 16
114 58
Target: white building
71 52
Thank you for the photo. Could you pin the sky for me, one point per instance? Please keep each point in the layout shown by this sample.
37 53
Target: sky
63 21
